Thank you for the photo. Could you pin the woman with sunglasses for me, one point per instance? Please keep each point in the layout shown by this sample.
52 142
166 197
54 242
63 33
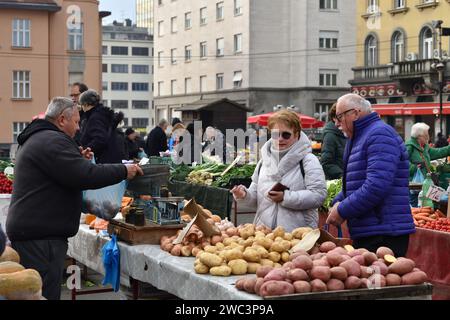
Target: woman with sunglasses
288 183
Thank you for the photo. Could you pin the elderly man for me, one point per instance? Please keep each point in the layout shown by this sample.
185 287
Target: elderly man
375 195
157 139
76 90
51 172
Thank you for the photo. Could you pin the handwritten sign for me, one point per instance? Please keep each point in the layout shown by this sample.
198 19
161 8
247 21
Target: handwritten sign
435 193
185 231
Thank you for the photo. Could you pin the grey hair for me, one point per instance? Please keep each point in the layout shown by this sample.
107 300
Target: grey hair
163 122
90 98
59 106
354 101
419 129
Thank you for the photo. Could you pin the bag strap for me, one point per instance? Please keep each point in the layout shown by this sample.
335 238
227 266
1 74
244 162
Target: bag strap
326 227
425 162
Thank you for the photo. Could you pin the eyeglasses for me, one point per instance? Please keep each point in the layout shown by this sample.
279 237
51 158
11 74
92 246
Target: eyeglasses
341 115
75 94
286 135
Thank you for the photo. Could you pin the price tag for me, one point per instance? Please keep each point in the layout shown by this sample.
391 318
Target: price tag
435 193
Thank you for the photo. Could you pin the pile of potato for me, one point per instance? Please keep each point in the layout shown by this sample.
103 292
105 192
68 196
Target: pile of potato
333 269
246 249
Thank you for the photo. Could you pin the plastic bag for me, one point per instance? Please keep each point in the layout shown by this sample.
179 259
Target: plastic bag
142 155
111 263
418 177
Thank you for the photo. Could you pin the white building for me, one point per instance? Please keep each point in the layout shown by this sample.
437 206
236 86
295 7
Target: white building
260 53
128 73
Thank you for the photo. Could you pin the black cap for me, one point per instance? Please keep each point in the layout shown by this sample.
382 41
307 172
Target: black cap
175 121
129 131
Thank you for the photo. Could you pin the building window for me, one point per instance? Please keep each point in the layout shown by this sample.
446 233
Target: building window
219 81
139 51
187 53
105 50
125 122
105 85
140 68
202 83
372 6
203 50
139 86
160 87
21 85
119 86
328 78
160 57
237 79
139 104
219 11
21 33
17 129
399 4
187 85
76 38
188 20
328 4
119 68
173 84
173 25
237 7
160 28
160 2
220 43
398 47
426 43
371 51
119 51
203 16
173 56
328 39
119 104
238 43
321 110
139 122
104 67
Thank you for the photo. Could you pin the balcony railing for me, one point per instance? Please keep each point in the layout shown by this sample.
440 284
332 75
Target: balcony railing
408 69
372 73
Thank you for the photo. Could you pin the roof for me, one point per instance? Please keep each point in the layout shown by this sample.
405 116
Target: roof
205 103
42 5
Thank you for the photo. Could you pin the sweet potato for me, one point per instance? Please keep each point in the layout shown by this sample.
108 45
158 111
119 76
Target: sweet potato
321 263
302 286
389 259
357 252
334 258
249 284
353 268
314 250
366 272
369 258
402 266
327 246
413 278
276 274
303 262
288 266
393 279
298 254
258 285
252 267
352 282
360 259
335 285
382 251
297 275
262 271
321 273
339 273
240 284
276 288
380 267
318 285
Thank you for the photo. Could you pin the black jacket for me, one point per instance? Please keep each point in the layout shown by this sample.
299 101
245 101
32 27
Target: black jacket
98 133
2 240
133 149
332 151
156 142
49 178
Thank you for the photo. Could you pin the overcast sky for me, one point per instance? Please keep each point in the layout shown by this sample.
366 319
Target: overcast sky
120 10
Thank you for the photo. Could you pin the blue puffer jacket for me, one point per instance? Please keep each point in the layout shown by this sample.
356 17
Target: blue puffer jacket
375 195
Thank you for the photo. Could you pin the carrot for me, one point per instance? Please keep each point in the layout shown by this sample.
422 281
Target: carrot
426 208
415 210
422 213
425 219
440 214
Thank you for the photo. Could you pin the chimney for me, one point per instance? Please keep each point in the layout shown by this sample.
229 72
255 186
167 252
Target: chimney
128 22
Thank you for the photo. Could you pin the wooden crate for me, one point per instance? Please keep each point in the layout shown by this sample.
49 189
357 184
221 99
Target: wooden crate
149 234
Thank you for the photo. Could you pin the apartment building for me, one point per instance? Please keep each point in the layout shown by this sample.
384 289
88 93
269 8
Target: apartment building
144 14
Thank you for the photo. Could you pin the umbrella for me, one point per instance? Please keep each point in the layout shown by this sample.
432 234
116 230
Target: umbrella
39 116
306 121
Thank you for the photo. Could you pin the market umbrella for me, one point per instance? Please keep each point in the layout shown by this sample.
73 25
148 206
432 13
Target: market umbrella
306 121
39 116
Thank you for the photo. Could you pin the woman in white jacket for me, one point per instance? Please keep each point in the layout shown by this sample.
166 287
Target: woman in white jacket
286 159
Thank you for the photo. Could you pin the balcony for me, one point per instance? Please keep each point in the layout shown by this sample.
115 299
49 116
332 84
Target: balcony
366 75
413 69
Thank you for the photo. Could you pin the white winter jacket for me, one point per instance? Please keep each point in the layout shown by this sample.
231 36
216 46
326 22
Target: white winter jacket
305 195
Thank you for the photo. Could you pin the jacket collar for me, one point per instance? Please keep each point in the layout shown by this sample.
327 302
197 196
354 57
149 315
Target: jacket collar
366 121
414 143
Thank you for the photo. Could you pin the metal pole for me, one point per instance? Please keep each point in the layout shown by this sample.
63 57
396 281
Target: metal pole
441 84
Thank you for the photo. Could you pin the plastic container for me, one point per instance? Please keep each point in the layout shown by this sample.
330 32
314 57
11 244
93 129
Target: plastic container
150 183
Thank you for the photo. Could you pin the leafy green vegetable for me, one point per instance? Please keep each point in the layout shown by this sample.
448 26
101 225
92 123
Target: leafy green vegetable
333 188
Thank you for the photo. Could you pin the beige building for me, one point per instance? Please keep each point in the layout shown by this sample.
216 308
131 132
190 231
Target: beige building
144 14
44 46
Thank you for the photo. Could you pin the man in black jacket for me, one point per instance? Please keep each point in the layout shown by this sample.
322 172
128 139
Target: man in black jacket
2 240
132 146
51 172
157 139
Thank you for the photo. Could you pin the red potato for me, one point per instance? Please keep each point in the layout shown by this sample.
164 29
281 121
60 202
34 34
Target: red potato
302 287
262 271
413 278
314 250
249 285
240 284
318 285
339 273
339 250
303 262
321 263
327 246
360 259
298 254
352 282
176 250
258 285
276 288
346 257
353 268
364 283
380 267
297 275
376 281
232 232
334 258
402 266
335 285
369 258
288 266
366 272
382 251
321 273
215 240
393 279
357 252
276 274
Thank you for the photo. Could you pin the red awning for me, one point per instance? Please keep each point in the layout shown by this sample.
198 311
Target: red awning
410 109
306 121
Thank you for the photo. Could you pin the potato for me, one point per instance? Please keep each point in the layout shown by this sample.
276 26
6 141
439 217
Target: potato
413 278
276 265
302 287
352 282
220 246
322 273
288 236
334 259
266 262
339 273
303 262
335 285
210 260
232 232
279 232
195 251
321 263
262 251
327 246
260 235
382 251
252 255
216 239
186 251
252 267
318 256
270 236
262 271
223 271
285 256
263 228
366 272
264 242
274 256
402 266
359 259
298 254
228 241
205 243
353 268
201 268
297 275
258 285
318 285
288 266
210 249
356 252
369 258
176 250
393 279
249 284
276 274
380 267
299 232
247 232
389 259
339 250
248 242
376 281
294 242
364 283
276 288
238 267
277 247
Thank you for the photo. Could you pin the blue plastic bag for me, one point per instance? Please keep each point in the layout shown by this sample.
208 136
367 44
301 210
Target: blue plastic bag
111 263
418 177
142 155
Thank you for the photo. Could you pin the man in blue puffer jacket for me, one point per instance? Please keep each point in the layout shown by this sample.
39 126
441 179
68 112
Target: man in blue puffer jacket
375 195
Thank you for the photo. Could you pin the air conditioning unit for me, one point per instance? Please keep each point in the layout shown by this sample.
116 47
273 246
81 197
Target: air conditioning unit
445 55
411 56
436 54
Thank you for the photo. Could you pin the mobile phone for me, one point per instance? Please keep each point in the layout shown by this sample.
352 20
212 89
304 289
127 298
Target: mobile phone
279 187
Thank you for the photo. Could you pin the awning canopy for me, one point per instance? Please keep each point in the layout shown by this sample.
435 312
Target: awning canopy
408 109
306 121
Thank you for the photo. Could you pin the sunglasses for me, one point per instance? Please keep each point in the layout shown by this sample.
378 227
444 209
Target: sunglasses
286 135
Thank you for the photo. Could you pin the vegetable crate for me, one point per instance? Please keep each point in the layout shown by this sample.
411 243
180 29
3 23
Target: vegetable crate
167 210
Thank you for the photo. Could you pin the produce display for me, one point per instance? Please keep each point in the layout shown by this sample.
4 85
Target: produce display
16 282
333 269
428 218
6 184
333 188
